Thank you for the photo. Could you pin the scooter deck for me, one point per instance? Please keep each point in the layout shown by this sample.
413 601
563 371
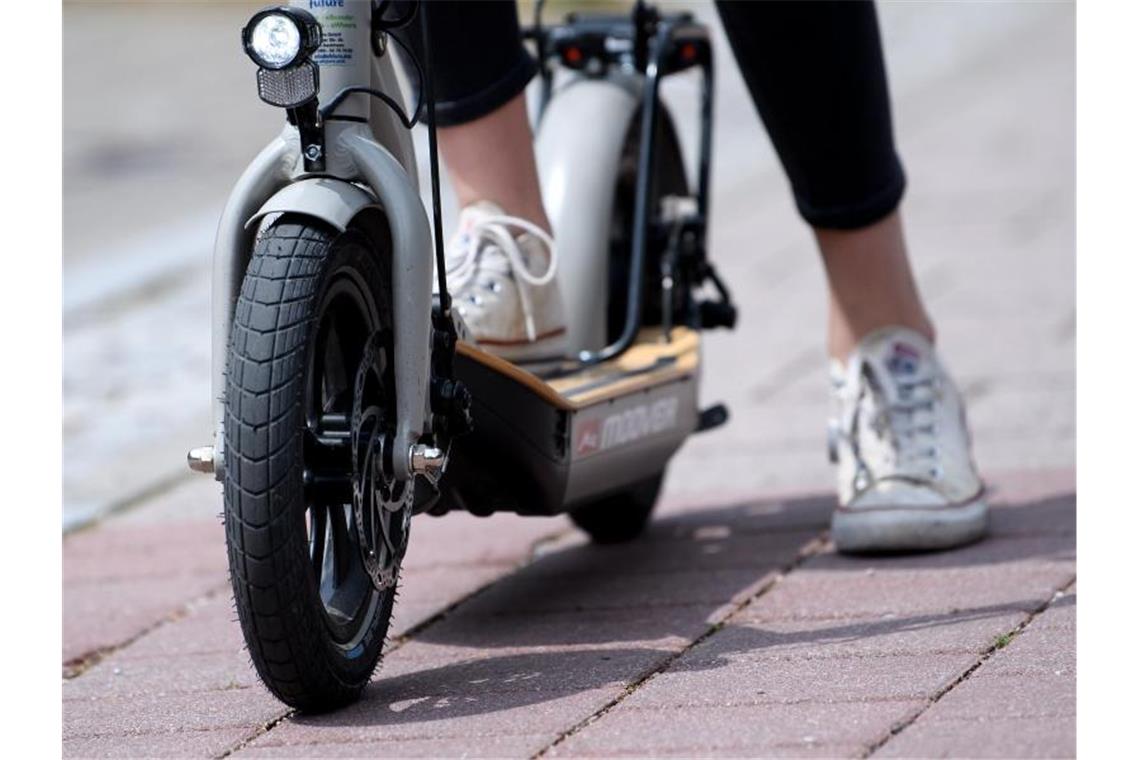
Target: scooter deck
650 361
543 445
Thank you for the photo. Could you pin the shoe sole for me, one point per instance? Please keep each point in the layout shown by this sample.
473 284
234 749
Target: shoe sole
898 529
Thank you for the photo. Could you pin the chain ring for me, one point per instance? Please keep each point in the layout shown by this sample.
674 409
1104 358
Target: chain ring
377 501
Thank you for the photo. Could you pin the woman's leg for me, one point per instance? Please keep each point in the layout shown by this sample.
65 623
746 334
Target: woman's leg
816 74
906 476
870 284
501 261
481 69
491 159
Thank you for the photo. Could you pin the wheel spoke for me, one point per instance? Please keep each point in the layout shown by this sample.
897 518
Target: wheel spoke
332 372
318 524
342 546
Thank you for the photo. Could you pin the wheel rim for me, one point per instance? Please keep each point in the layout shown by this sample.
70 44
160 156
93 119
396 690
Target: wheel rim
346 320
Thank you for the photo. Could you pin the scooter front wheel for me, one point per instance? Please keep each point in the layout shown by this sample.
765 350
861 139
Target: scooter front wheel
309 395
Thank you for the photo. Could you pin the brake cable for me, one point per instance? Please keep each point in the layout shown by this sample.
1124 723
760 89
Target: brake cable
425 97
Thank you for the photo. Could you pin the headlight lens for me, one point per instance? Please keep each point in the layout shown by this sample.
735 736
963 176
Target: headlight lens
280 37
275 41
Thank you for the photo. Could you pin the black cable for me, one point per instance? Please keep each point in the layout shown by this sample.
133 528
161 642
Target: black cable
329 108
425 96
433 152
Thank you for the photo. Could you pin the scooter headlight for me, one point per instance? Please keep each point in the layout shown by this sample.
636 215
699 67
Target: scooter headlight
277 38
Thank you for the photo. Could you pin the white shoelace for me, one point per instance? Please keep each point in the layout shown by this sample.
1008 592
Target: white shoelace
903 415
495 229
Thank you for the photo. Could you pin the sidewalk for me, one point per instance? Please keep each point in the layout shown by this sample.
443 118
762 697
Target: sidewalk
733 628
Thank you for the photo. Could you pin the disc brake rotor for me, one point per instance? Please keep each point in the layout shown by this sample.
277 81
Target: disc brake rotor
381 505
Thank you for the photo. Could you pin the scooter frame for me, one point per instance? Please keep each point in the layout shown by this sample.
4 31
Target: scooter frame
369 162
363 143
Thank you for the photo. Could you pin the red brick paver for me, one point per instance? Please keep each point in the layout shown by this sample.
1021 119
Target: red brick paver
729 629
882 639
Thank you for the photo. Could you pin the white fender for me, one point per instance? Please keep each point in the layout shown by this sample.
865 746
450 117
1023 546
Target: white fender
578 146
329 199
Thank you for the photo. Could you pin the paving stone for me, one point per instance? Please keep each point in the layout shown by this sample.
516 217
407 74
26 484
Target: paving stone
712 679
484 676
1049 514
939 633
162 675
798 512
659 627
210 628
123 578
1041 651
1061 614
152 714
1031 485
441 586
203 743
508 745
750 730
713 547
985 588
110 613
995 695
1015 551
375 719
125 551
463 539
986 738
528 593
410 613
790 749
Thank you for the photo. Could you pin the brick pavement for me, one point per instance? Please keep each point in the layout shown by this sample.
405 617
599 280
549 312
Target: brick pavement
733 629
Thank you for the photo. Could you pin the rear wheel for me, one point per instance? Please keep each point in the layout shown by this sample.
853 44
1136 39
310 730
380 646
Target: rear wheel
315 526
623 516
619 517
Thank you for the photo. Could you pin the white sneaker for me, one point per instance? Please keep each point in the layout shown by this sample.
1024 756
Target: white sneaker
491 274
906 477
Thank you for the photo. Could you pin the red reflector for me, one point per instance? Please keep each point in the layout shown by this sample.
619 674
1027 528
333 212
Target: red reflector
572 55
688 51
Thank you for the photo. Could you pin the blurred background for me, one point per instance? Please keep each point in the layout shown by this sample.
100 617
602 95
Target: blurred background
161 115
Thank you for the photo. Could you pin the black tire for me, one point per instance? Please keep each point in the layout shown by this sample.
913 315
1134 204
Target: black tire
314 653
620 517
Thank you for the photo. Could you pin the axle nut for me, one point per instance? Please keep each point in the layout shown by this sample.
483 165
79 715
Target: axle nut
201 459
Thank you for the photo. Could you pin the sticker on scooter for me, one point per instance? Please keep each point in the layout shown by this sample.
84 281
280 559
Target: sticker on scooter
628 426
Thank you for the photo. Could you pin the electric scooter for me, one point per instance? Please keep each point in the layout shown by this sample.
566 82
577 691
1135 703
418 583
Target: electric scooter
347 397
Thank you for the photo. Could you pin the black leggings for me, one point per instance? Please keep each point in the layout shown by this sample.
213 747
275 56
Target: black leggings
815 71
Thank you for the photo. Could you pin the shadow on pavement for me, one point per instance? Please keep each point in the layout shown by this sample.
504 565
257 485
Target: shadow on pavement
586 617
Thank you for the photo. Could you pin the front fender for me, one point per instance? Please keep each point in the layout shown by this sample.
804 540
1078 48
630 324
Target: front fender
331 200
267 187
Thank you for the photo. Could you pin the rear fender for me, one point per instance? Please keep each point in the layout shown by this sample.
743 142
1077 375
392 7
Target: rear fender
578 146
